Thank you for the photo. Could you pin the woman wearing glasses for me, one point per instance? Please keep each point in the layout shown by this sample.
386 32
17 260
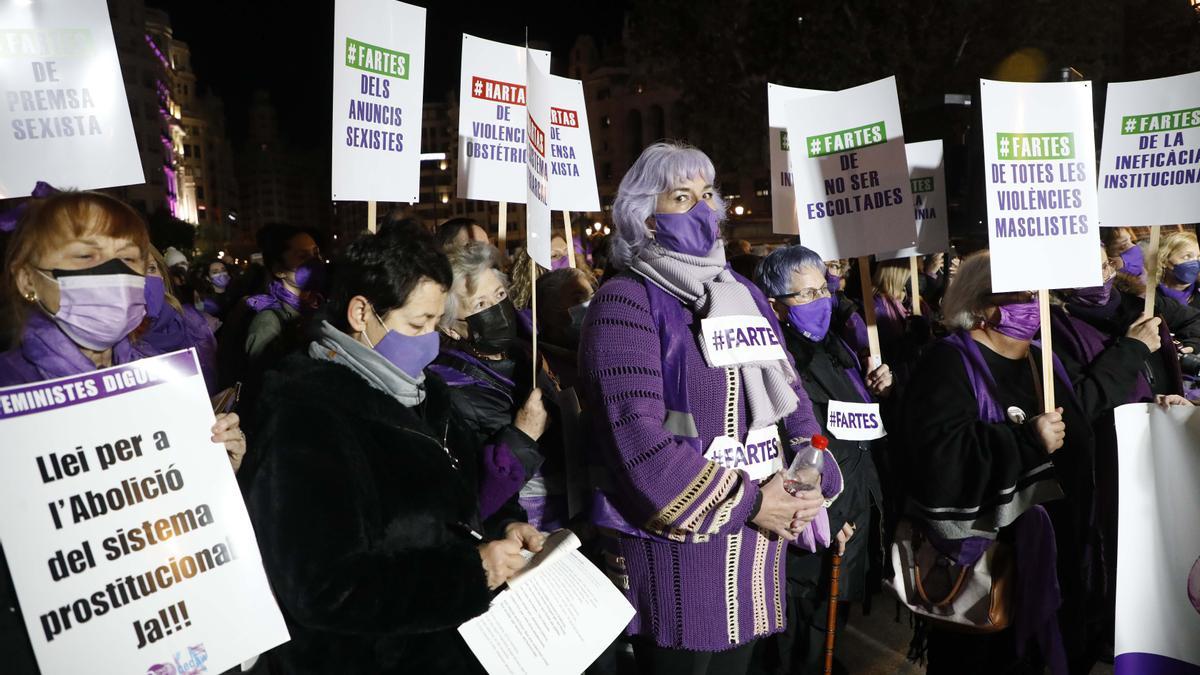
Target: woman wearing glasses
795 281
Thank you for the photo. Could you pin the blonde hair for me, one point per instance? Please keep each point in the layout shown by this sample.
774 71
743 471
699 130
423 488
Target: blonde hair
891 278
168 287
1171 244
468 262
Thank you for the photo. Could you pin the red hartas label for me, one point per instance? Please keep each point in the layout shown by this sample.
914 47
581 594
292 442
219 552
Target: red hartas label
500 92
561 117
537 137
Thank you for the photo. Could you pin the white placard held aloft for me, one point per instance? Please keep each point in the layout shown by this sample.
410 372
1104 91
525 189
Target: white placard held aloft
124 528
927 179
572 170
537 168
1040 174
378 81
783 198
1150 158
64 118
850 172
491 120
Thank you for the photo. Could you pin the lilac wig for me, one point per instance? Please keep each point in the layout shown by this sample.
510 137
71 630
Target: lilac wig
660 168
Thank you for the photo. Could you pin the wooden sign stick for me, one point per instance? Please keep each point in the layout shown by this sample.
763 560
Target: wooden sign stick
533 272
1152 271
371 226
914 294
502 230
864 277
566 215
1047 352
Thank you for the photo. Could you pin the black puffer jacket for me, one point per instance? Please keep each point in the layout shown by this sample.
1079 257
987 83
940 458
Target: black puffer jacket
360 512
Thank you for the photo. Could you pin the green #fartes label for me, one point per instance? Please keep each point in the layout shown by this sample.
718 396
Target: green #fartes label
377 60
1026 147
922 184
846 139
1167 121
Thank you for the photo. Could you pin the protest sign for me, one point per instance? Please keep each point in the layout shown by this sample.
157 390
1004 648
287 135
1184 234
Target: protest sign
850 173
783 198
1150 158
927 180
1040 177
64 116
572 171
378 82
537 184
124 528
1158 547
491 120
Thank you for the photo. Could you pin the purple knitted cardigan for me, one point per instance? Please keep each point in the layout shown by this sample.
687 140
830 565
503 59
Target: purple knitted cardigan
699 577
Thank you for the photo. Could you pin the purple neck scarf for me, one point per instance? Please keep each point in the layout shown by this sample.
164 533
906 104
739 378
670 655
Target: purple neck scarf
276 297
1181 297
53 354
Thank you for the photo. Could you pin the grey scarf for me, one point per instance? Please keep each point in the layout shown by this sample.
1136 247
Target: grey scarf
334 345
709 290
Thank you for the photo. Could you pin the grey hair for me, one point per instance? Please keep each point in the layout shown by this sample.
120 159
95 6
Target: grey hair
661 167
774 273
468 262
969 292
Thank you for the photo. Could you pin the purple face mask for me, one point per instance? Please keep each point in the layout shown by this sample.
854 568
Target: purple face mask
220 280
1020 320
1095 296
1133 262
834 282
99 306
690 233
812 319
311 275
409 353
560 263
156 295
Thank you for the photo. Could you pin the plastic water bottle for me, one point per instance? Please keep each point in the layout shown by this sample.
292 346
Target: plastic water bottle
804 473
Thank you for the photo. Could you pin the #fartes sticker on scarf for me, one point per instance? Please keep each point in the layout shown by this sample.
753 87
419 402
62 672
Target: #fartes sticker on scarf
854 421
759 457
733 340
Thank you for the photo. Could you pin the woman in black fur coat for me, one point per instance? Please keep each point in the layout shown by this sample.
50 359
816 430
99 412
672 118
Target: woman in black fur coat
365 502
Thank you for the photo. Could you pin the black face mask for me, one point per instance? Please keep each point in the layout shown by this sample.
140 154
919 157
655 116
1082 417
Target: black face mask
494 330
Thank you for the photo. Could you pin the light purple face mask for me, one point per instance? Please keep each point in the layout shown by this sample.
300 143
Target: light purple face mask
693 232
560 263
409 353
99 306
1019 320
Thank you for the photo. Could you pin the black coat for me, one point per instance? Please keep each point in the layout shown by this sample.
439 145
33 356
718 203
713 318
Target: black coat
360 514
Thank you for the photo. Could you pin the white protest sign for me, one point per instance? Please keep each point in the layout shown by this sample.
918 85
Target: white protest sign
850 174
1040 174
759 456
378 81
491 120
572 171
64 118
849 421
742 338
1158 547
537 185
927 180
123 526
783 198
1150 158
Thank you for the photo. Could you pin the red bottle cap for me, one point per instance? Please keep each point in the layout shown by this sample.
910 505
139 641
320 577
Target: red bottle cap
820 442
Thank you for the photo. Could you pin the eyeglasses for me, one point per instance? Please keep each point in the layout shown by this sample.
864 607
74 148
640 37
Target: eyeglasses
806 294
836 266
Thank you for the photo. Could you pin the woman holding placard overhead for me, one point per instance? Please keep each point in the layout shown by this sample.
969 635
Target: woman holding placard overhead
75 270
690 431
990 479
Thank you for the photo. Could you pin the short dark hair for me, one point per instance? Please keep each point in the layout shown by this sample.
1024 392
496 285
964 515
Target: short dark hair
448 230
384 268
273 241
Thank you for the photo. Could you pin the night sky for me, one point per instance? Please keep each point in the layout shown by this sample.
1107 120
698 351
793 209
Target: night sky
239 46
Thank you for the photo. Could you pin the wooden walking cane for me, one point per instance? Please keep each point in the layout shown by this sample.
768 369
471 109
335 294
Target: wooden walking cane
835 574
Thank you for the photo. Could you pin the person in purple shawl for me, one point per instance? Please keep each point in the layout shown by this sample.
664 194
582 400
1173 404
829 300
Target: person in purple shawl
690 424
1179 266
75 272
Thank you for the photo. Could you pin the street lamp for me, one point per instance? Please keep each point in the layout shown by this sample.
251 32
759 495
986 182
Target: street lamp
739 210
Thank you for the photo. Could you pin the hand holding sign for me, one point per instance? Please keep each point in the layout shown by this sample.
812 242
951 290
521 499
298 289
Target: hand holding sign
1050 429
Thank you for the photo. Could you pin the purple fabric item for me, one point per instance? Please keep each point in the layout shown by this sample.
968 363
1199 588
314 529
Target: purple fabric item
45 352
409 353
172 330
10 218
1133 261
693 232
99 307
1142 663
1019 320
156 295
854 332
1182 297
277 296
311 275
525 321
1088 342
834 282
1095 296
1186 272
679 586
560 263
817 535
855 375
501 478
890 315
457 378
220 280
812 319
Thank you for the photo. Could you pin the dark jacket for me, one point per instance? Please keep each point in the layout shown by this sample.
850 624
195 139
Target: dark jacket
361 515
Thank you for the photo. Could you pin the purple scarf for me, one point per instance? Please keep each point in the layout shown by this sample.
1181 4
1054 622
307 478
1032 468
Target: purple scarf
46 353
1182 297
276 297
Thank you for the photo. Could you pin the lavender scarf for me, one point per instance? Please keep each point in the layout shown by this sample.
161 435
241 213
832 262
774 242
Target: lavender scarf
707 287
276 297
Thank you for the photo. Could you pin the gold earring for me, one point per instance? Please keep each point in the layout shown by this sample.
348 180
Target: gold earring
31 296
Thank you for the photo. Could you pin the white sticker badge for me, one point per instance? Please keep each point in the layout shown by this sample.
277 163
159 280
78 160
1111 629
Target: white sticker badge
760 457
744 338
854 421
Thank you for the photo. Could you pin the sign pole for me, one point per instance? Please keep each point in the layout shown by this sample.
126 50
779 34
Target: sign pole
533 272
1152 270
566 216
371 226
864 277
915 293
502 230
1047 352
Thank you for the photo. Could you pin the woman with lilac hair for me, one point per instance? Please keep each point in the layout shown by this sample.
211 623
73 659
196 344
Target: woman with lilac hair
690 432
